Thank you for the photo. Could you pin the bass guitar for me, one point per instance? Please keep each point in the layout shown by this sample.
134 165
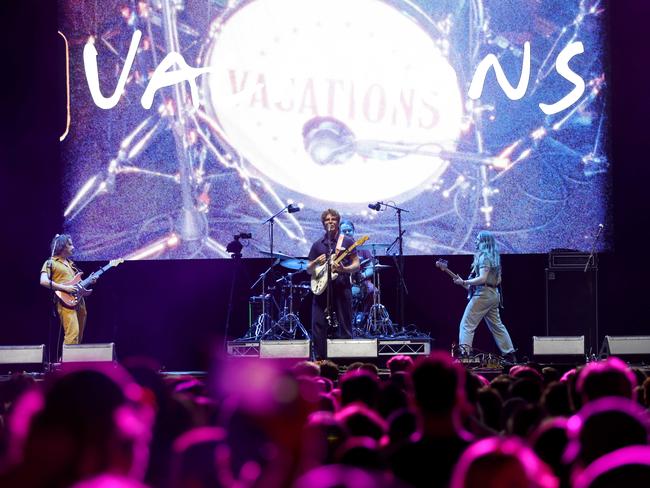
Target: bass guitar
71 300
443 265
319 277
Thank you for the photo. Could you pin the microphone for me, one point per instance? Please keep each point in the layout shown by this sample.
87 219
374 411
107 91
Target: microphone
291 208
375 206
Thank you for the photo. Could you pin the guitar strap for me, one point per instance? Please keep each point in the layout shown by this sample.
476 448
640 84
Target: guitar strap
339 243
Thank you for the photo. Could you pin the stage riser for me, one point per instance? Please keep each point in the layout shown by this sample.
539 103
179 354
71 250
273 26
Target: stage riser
336 348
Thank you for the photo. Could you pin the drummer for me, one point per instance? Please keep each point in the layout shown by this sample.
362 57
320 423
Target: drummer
362 288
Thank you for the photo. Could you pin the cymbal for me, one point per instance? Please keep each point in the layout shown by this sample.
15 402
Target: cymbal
373 245
380 266
294 263
278 255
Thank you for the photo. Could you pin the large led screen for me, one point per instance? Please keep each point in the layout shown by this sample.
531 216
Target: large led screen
195 121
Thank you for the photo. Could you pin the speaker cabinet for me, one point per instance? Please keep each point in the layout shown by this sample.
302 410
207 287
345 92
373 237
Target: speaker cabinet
559 346
79 353
572 305
21 358
351 348
633 348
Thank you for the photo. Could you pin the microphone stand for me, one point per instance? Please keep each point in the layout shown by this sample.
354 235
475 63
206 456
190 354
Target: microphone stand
271 221
330 315
400 261
593 248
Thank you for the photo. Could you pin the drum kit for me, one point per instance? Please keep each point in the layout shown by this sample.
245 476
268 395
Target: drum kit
283 300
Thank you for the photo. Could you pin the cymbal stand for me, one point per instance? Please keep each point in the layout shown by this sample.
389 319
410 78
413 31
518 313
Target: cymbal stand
264 322
379 322
289 322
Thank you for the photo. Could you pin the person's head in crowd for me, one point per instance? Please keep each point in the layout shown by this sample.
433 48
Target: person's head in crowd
370 368
525 420
326 403
529 389
502 384
602 426
526 371
391 397
329 370
400 362
402 424
496 462
549 442
625 467
361 421
555 400
550 374
508 411
639 374
306 368
354 366
489 404
606 378
91 419
322 436
570 378
359 386
438 385
361 452
400 379
193 460
646 392
473 383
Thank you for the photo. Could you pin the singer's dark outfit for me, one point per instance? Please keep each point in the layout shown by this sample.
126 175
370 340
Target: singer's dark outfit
341 296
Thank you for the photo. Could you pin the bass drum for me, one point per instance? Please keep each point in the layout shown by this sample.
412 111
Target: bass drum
381 68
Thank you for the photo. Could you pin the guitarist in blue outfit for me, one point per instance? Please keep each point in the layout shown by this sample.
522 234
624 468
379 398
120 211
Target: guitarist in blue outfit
485 297
332 309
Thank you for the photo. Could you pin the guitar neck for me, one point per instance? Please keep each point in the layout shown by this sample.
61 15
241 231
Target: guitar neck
343 255
450 273
95 275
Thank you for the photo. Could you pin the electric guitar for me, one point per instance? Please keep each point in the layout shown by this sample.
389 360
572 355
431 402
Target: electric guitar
319 277
71 300
443 265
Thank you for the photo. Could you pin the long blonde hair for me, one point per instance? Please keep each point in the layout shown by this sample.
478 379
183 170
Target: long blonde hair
487 252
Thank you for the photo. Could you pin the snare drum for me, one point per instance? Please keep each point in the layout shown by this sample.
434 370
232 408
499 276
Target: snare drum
380 67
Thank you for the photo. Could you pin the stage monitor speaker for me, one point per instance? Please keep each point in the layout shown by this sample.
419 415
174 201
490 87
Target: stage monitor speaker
80 353
21 358
285 349
352 348
628 347
572 305
559 346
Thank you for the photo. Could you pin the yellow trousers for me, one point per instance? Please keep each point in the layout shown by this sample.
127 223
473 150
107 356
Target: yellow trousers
73 321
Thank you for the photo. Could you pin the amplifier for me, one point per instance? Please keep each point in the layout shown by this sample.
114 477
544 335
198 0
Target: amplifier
559 346
22 354
627 345
80 353
352 348
285 349
567 259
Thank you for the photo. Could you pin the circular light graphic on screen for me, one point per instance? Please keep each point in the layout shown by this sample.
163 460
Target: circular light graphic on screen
279 65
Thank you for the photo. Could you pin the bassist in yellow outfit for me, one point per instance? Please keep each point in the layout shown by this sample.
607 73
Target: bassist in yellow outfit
55 273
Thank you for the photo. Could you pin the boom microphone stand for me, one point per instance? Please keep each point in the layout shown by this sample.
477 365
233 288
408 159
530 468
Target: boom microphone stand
399 261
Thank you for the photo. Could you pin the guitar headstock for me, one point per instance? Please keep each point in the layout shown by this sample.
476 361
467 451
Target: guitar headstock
443 264
362 240
116 262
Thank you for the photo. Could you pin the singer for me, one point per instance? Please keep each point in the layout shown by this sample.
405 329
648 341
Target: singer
338 294
484 299
55 273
